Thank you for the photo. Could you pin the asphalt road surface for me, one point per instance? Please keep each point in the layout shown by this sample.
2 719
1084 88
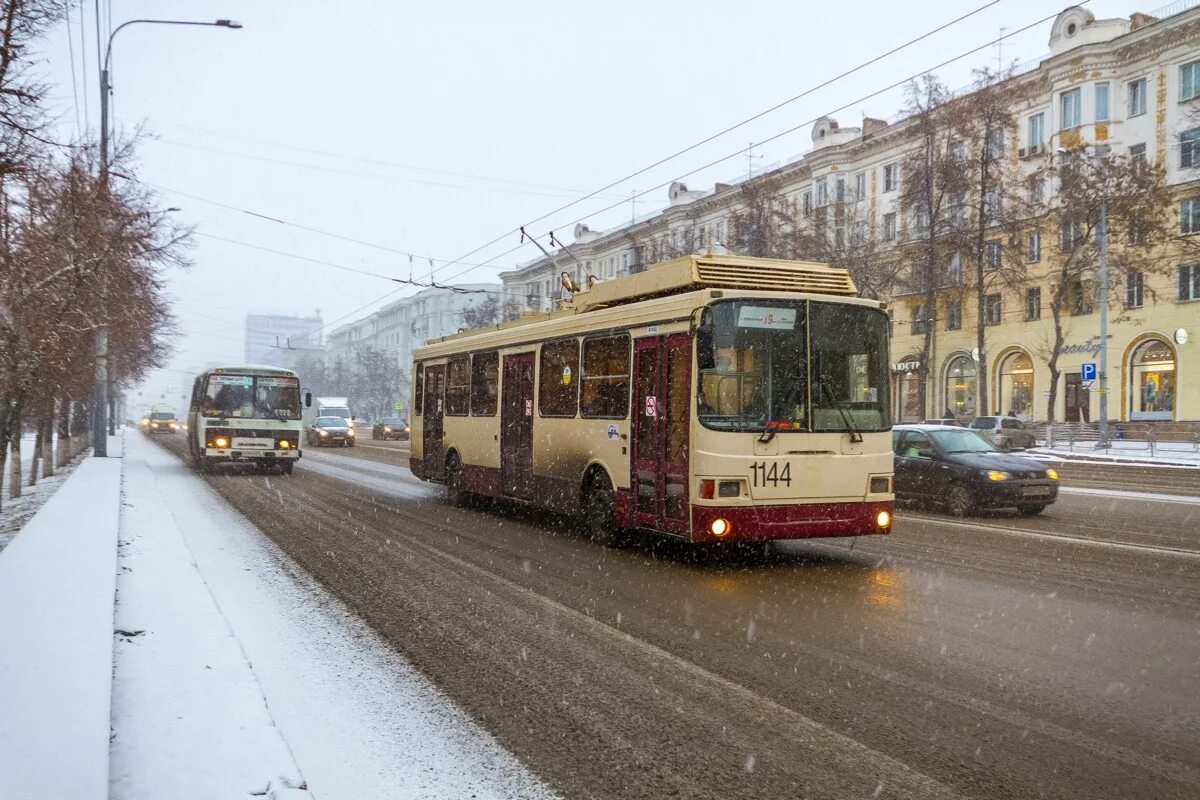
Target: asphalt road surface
1001 656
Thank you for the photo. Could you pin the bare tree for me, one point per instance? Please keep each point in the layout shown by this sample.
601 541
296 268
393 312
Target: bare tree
490 311
1137 202
761 224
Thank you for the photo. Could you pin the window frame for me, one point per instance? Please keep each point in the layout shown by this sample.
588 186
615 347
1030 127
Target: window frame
574 384
585 413
1194 67
1135 290
954 315
993 301
993 254
1193 217
1035 122
452 400
1105 87
1136 100
1073 97
1033 312
889 226
1189 148
1191 281
1033 247
494 397
891 177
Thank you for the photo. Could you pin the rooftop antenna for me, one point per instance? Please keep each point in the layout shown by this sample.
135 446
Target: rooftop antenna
750 161
1000 52
632 206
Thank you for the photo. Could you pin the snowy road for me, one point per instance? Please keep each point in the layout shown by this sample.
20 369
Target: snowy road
953 658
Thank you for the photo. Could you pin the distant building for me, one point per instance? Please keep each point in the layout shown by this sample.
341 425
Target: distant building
280 339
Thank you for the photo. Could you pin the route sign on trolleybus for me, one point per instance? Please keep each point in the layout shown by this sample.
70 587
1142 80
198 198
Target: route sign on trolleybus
711 398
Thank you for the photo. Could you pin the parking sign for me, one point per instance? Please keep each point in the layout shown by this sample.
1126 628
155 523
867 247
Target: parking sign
1088 371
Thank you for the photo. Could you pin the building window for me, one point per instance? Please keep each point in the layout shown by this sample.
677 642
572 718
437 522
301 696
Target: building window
961 386
1189 80
994 254
1033 303
458 386
822 194
993 204
1078 300
954 271
1189 148
992 308
1016 385
1071 109
1033 249
1152 382
920 221
839 190
920 319
860 186
806 204
1133 290
995 145
605 378
1101 102
418 390
1137 157
889 226
891 177
558 378
1037 132
858 233
1037 189
721 232
954 315
1137 97
1071 235
1189 216
485 383
1189 282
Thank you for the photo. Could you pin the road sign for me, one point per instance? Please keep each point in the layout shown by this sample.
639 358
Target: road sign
1087 386
398 407
1087 371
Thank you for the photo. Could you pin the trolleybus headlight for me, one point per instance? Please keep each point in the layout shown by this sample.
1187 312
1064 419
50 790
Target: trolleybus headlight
1052 474
883 519
284 444
220 442
997 475
719 526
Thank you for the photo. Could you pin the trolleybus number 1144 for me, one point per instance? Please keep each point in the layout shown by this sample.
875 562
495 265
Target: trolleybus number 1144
764 474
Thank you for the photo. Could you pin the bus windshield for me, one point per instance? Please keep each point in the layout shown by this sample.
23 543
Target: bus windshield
250 397
795 366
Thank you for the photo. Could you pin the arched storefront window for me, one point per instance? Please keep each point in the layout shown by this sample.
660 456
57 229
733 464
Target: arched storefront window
1152 381
906 389
1016 386
961 385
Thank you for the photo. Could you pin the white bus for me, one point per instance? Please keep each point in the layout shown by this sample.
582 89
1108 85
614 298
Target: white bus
713 398
245 414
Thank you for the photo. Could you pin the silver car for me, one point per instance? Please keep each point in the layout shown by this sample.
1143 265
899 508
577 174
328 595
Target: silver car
1007 433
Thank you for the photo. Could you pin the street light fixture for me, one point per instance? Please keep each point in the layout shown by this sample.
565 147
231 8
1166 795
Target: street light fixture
102 421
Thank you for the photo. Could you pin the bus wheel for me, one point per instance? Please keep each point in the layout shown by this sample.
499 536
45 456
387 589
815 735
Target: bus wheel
600 512
203 465
286 468
455 494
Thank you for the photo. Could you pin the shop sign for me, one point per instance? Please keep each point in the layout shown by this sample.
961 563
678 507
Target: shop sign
907 366
1090 347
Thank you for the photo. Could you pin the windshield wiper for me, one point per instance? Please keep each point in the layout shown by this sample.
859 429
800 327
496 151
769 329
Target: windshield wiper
855 436
773 423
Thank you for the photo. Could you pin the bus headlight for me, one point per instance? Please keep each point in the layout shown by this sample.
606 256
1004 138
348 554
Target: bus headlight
883 519
220 442
719 526
284 444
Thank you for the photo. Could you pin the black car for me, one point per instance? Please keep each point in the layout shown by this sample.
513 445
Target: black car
329 430
961 470
390 428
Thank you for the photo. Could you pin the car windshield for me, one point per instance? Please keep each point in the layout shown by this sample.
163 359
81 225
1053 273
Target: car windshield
335 411
393 422
250 397
961 441
331 422
984 423
162 417
795 366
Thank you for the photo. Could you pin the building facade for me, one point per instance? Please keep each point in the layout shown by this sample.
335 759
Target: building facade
1131 85
407 323
279 339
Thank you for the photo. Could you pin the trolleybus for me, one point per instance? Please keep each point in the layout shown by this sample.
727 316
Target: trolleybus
248 414
713 398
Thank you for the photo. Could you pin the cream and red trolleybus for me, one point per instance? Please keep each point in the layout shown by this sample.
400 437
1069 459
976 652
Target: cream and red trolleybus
708 397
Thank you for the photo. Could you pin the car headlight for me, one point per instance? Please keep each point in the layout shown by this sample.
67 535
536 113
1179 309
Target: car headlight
350 431
1052 474
322 433
997 475
406 429
387 430
145 422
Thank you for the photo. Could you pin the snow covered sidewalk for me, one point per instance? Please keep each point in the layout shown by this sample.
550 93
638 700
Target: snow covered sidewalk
235 671
56 616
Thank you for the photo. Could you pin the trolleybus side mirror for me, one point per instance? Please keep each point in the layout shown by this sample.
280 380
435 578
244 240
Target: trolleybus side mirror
705 351
308 399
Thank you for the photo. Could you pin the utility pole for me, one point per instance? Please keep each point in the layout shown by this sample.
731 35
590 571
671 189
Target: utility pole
1102 235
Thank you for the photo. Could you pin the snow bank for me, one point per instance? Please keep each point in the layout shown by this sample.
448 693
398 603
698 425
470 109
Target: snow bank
56 618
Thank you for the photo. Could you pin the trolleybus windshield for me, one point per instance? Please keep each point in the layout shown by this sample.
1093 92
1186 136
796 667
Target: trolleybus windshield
795 366
249 396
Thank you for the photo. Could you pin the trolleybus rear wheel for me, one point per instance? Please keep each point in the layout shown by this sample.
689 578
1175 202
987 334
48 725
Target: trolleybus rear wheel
600 511
455 494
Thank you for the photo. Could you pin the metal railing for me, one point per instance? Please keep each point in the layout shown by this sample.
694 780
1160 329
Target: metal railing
1125 437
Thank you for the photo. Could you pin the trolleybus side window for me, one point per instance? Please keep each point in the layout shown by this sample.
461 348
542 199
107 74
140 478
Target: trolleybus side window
458 386
418 389
558 378
604 384
484 383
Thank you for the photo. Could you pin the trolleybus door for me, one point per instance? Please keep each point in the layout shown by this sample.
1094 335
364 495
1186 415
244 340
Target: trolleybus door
431 432
516 426
662 399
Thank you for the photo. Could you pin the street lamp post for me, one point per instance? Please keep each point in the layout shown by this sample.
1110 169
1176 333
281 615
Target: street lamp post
100 417
1102 235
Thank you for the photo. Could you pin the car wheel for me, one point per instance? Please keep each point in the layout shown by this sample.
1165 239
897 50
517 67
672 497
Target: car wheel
959 500
1031 511
600 512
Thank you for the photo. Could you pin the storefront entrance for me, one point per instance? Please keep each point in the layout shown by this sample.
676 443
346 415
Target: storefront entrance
1078 400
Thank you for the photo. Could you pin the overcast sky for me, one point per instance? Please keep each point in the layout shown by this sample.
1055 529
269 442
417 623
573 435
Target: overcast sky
432 128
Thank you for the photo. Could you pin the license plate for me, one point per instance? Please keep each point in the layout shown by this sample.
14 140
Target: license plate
1036 491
